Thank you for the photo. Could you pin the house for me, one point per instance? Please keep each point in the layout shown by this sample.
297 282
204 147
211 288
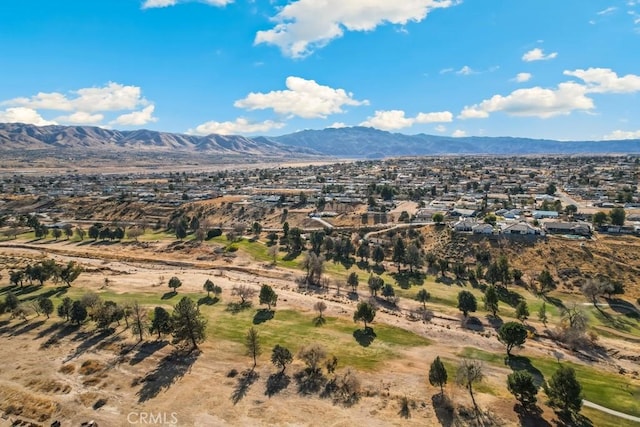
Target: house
545 214
577 228
426 214
512 214
464 225
520 228
458 212
482 229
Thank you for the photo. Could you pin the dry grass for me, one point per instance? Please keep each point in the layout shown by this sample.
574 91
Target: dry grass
68 369
90 367
29 405
48 386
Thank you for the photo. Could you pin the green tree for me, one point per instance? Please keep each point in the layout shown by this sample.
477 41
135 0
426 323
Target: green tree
45 305
438 374
413 257
617 216
281 357
542 314
64 309
209 287
491 300
423 296
16 277
551 189
522 311
70 272
174 284
564 391
365 312
11 301
523 387
437 218
571 210
181 230
490 219
493 274
547 284
352 281
467 302
364 251
399 252
388 292
378 254
268 296
443 266
78 313
188 323
431 259
252 342
375 284
600 218
161 322
512 334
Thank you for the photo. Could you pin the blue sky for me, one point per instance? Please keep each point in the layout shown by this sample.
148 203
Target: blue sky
561 69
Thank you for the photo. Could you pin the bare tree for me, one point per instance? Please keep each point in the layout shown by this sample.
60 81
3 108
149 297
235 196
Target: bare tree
320 306
470 372
139 320
244 292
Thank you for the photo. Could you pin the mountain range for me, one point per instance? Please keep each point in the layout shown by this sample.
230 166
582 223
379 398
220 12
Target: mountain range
351 142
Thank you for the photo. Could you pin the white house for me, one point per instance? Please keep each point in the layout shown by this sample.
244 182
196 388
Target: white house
520 228
482 229
464 224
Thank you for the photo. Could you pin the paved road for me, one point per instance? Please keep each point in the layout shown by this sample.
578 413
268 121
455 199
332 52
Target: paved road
610 411
323 222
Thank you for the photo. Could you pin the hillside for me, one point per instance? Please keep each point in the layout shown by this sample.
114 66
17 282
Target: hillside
361 142
16 136
354 142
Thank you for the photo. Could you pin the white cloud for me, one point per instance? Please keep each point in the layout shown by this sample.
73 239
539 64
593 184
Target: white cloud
523 77
465 71
459 133
305 25
534 102
473 112
605 80
622 134
149 4
396 119
239 126
538 54
446 70
136 118
23 115
81 118
608 11
111 97
441 128
337 125
303 98
388 120
437 117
